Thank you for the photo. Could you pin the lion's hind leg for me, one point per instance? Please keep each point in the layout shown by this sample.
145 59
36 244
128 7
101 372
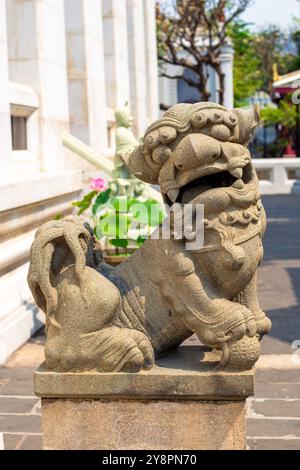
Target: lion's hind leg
81 305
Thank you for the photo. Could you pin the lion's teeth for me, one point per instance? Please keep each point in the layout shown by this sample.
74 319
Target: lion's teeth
239 184
237 173
173 194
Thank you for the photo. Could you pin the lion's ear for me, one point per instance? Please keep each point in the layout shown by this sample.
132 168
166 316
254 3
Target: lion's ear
248 120
139 167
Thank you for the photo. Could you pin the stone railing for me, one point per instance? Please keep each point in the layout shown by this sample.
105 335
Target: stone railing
278 175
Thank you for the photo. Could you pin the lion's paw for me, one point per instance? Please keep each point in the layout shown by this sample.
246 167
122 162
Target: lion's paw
119 349
112 349
263 323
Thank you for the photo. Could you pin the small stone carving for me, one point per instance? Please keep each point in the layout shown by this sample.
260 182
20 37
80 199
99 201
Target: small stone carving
125 141
120 319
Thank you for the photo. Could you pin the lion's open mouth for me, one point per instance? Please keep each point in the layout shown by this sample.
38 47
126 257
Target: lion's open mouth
224 179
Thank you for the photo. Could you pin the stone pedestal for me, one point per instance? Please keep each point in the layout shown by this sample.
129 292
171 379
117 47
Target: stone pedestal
180 404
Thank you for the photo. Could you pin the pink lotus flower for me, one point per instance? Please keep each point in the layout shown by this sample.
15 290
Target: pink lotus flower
98 184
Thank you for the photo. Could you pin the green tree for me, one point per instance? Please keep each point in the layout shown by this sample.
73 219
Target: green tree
255 56
285 116
294 63
271 47
247 73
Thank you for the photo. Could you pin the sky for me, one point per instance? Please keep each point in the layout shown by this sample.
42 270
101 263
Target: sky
272 11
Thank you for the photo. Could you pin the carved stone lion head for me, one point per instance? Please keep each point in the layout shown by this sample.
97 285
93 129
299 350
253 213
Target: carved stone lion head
196 149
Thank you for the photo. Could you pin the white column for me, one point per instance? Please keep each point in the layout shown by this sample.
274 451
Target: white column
226 60
137 64
116 52
86 78
151 61
37 58
5 129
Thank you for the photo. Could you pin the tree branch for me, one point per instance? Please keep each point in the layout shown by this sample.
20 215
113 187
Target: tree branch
180 31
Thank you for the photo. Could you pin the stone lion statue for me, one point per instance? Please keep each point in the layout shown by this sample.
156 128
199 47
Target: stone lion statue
120 319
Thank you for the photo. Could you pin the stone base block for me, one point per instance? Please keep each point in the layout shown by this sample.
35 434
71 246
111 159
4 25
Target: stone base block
149 424
181 404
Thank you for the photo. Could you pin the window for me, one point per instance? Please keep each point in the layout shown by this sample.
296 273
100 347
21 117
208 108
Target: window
19 133
25 130
186 93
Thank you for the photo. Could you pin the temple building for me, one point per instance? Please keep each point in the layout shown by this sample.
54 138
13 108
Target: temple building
66 65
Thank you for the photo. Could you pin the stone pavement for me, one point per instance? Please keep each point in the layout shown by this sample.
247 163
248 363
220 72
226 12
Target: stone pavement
20 412
274 412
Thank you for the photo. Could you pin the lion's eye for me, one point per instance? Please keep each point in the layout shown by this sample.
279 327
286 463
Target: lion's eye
151 140
167 135
232 121
199 120
218 117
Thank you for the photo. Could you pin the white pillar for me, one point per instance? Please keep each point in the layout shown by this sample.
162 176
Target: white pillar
137 64
226 60
37 58
151 61
5 129
116 52
86 78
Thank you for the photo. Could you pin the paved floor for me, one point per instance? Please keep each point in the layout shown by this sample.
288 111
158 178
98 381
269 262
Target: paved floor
20 413
273 413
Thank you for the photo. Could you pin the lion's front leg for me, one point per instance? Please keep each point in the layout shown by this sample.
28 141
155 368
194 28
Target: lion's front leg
215 320
248 298
218 322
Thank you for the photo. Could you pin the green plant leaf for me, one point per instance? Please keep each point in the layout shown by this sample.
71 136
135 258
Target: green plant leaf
113 225
139 211
101 199
121 204
132 201
123 224
156 215
85 203
140 241
147 212
119 243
